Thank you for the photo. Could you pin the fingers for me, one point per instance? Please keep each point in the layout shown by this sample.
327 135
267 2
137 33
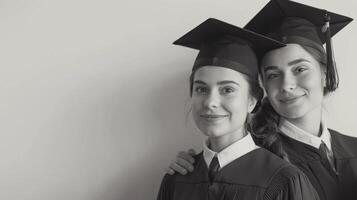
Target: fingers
186 156
170 171
176 167
184 164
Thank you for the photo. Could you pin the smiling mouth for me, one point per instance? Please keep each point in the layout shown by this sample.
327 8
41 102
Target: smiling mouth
290 99
213 118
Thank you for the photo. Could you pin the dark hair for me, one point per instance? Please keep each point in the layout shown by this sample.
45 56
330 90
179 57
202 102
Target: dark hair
266 132
254 89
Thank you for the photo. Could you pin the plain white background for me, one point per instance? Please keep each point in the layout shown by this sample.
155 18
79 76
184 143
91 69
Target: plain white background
94 97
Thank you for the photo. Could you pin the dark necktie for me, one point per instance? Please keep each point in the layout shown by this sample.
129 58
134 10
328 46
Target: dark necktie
328 154
213 168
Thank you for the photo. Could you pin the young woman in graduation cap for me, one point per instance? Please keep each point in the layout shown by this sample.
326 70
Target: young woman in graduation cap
297 78
224 89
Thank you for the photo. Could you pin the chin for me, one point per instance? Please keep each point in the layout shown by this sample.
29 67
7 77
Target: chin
212 133
293 113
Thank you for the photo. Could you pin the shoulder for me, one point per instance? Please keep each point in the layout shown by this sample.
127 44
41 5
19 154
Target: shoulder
166 187
198 175
346 146
277 168
168 180
345 138
269 159
256 168
290 181
286 174
280 178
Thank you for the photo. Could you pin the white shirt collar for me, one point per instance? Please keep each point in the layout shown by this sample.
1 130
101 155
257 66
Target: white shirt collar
296 133
230 153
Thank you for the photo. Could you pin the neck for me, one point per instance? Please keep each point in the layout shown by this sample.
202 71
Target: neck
217 144
310 122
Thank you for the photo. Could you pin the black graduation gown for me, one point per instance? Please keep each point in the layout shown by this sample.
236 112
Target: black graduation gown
256 175
329 184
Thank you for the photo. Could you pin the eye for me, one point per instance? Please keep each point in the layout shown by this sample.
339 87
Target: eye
227 90
301 69
201 90
271 76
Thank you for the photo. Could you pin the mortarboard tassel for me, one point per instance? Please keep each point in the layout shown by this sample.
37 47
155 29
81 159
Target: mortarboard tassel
332 78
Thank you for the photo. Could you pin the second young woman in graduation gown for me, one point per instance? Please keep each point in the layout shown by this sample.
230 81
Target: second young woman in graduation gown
333 179
297 78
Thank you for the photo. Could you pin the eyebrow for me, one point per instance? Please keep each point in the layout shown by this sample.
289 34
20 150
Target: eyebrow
224 82
199 82
289 63
297 61
269 68
227 82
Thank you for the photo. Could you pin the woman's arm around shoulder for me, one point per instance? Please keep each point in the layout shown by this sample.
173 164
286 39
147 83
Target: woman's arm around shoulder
183 163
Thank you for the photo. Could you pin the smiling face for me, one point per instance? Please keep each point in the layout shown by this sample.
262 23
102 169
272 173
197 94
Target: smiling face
293 80
221 101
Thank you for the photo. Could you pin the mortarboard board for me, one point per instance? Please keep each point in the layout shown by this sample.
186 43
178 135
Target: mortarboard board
292 22
270 18
225 45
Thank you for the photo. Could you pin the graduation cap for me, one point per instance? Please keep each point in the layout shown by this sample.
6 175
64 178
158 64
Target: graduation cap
271 17
225 45
292 22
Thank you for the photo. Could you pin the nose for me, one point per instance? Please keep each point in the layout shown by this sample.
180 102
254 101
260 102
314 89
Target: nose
288 83
212 101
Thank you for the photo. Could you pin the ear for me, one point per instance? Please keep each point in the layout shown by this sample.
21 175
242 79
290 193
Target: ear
252 102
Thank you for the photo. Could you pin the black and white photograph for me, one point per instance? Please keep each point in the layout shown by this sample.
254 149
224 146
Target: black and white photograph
178 100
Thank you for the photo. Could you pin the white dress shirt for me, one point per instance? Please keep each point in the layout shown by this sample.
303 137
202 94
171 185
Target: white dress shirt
296 133
230 153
